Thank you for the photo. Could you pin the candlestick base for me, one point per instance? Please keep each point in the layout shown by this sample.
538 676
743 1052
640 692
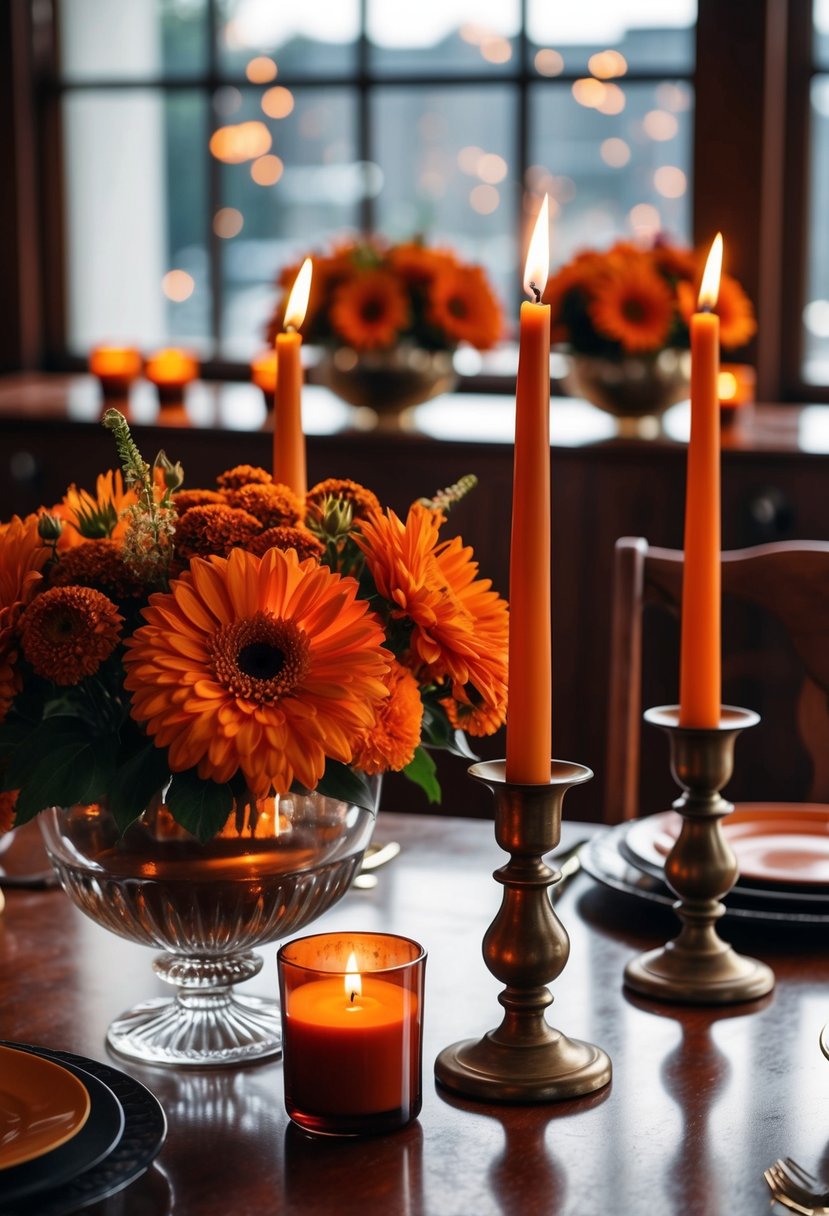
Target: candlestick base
698 967
526 946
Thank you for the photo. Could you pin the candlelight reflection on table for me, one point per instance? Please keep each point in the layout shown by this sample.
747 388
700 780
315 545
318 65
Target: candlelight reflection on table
352 1023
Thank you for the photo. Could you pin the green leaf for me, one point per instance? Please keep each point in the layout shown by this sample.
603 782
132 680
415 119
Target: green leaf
347 784
437 731
78 771
36 751
422 772
200 806
136 782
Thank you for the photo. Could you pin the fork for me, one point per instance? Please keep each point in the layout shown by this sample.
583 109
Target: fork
805 1187
792 1195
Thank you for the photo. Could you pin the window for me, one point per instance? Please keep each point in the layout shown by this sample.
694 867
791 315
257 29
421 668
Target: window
208 143
815 332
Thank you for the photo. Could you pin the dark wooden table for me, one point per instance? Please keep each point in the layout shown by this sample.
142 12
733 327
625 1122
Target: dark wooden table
701 1100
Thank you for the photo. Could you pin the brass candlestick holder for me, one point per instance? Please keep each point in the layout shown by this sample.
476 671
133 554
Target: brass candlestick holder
698 967
525 947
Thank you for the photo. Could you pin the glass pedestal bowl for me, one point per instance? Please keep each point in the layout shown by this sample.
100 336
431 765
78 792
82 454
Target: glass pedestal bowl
206 906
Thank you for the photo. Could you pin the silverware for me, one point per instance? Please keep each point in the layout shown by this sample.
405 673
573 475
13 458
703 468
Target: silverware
568 865
375 855
796 1188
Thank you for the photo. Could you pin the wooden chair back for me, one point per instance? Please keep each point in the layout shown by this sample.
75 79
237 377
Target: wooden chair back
788 581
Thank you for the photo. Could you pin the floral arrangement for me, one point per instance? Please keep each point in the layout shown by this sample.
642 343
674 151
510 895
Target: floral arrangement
226 644
371 296
634 301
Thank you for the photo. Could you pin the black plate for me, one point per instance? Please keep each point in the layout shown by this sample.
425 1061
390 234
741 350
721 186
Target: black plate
97 1137
145 1127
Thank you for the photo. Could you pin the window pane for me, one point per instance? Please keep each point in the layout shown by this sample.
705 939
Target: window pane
132 39
136 211
611 174
447 163
650 35
455 36
821 30
303 188
816 312
259 37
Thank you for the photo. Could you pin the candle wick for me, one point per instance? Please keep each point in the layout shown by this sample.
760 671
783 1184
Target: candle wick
352 997
290 329
535 292
705 308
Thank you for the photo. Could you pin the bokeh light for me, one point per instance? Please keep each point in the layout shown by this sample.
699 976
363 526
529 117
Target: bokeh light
178 285
277 102
228 222
267 170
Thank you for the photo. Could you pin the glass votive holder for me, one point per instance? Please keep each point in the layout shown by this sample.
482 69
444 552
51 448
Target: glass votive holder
352 1030
171 371
115 367
737 389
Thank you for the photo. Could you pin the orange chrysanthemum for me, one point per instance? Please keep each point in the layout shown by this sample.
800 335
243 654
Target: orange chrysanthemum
477 720
634 307
463 306
370 311
183 500
300 539
110 499
22 557
273 505
243 475
418 264
214 529
264 665
460 623
363 502
99 564
8 807
390 743
68 632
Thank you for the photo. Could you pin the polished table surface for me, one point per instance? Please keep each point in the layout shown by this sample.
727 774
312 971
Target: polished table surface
700 1102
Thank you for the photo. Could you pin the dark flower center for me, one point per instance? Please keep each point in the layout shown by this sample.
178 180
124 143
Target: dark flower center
261 657
260 661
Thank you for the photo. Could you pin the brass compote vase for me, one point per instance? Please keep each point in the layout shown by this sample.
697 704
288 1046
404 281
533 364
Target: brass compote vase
206 906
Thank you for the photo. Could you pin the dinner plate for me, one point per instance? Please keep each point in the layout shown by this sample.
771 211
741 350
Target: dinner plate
602 859
97 1138
41 1107
775 845
145 1127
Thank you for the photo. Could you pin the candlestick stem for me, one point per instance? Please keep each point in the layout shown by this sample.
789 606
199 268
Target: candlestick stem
698 967
525 947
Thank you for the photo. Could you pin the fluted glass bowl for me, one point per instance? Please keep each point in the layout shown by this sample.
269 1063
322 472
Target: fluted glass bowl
207 906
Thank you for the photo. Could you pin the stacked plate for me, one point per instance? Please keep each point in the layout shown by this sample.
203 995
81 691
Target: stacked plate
782 852
72 1131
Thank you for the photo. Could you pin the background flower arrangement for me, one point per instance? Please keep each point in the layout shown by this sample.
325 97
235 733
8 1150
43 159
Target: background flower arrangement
226 644
634 301
371 296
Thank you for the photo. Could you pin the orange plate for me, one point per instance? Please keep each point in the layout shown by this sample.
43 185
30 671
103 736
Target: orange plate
775 843
41 1106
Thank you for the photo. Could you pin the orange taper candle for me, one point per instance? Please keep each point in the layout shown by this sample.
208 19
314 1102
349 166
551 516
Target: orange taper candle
700 689
529 705
288 436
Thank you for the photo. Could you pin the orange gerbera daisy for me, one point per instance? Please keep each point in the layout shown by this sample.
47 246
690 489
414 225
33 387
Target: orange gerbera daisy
216 528
737 323
418 264
272 505
107 506
22 557
283 537
68 632
460 623
390 743
370 311
634 307
463 306
264 665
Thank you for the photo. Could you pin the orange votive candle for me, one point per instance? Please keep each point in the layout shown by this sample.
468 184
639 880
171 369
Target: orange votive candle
352 1023
115 366
171 368
288 435
263 374
529 705
700 679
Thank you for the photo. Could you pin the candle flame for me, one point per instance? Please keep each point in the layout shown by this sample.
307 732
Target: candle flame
710 289
537 265
353 982
297 304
